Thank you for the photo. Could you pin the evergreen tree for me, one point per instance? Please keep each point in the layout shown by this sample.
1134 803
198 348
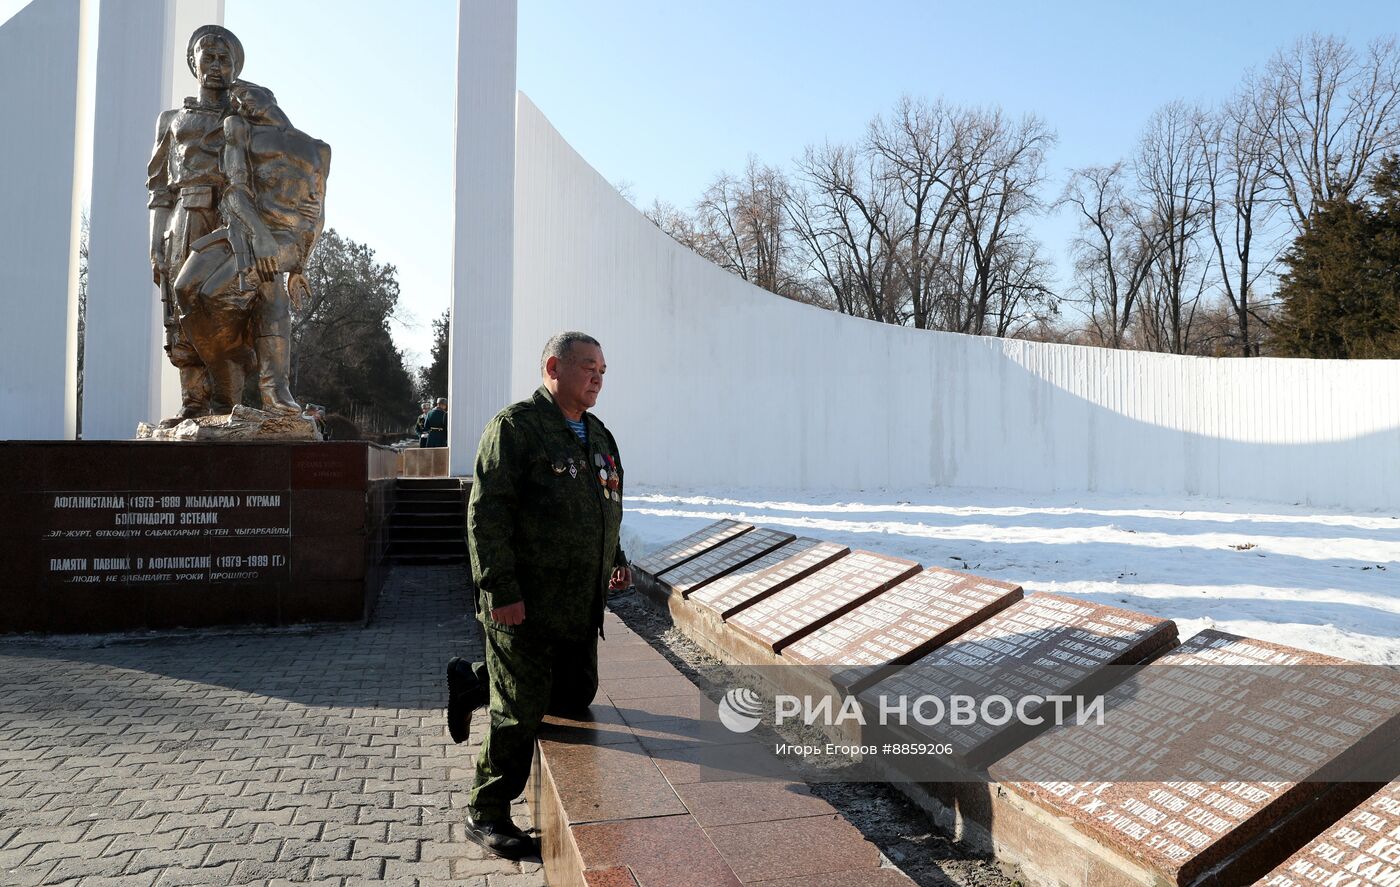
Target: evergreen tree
1341 292
343 354
432 379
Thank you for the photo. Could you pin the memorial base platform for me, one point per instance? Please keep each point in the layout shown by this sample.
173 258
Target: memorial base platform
111 536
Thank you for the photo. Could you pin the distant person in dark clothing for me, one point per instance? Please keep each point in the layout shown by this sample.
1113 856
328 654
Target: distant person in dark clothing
420 427
436 423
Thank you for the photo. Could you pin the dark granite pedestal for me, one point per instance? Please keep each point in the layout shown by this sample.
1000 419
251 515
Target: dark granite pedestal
103 536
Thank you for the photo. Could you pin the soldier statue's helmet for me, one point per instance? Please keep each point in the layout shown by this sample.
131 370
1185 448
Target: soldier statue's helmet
217 32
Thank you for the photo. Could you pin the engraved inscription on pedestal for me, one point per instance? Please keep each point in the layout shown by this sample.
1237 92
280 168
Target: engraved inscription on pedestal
808 604
1206 748
696 543
770 573
1043 645
1362 850
900 625
723 559
143 537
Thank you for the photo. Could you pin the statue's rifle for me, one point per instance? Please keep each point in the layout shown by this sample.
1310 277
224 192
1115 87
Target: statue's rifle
170 309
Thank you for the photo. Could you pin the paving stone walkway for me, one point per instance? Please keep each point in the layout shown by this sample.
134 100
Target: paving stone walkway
312 757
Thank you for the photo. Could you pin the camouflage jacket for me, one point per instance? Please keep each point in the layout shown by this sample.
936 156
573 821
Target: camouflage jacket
544 518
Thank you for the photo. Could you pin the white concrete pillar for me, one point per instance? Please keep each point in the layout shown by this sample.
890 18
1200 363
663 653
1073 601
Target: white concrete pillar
41 157
141 71
479 348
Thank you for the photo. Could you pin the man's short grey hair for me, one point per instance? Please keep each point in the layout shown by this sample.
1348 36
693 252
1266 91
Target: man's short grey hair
561 344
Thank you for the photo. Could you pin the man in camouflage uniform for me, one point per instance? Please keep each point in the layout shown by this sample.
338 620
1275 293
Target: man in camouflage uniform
542 527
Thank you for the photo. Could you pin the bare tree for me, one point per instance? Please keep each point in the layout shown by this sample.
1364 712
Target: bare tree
741 226
675 222
843 220
925 222
1174 189
1000 167
1236 146
1114 252
1338 113
915 153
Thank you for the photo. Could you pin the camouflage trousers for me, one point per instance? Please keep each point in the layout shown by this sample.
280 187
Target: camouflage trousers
530 676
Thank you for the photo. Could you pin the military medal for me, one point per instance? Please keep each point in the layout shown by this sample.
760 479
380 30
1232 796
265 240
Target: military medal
558 467
573 468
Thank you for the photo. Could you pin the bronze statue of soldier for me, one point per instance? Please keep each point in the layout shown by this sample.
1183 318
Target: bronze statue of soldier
266 194
186 185
231 289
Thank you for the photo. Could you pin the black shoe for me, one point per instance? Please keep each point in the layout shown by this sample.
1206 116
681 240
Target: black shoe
465 694
501 837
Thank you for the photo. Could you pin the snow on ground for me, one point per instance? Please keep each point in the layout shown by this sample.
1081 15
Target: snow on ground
1319 579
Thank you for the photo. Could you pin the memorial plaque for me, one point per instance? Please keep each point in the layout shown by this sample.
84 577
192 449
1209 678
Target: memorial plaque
1211 749
112 536
757 579
1043 645
1362 850
813 601
723 559
900 625
142 537
696 543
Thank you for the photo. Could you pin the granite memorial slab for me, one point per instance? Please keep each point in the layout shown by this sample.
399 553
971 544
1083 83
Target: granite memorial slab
1361 850
814 600
1041 646
723 559
120 535
1216 760
900 625
696 543
761 577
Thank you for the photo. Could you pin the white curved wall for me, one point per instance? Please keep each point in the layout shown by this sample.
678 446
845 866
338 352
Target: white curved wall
141 71
716 383
40 154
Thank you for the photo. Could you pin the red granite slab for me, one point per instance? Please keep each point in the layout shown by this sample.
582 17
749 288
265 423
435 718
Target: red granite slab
83 466
882 877
1361 850
691 704
813 601
647 667
618 876
21 467
696 543
737 803
739 762
615 648
668 733
900 625
606 782
1246 732
665 851
621 690
329 466
768 574
1043 645
723 559
601 724
784 848
326 512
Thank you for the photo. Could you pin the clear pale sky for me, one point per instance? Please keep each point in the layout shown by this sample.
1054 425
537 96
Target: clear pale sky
666 95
